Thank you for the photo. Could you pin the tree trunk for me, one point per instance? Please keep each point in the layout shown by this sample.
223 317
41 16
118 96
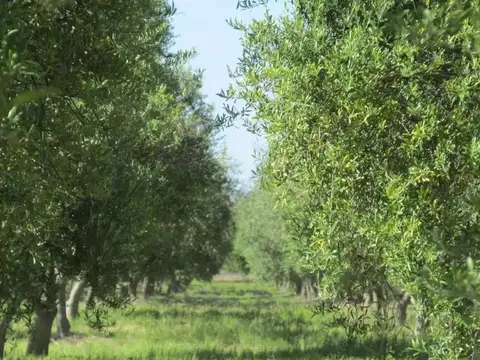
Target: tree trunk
382 302
133 286
309 290
402 306
45 311
296 281
39 339
7 319
3 333
314 285
148 287
90 300
174 286
63 326
123 290
158 286
74 299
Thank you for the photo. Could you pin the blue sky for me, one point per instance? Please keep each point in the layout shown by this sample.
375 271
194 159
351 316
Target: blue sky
201 24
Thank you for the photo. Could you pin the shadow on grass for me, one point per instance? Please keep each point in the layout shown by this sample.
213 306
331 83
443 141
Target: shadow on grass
243 313
290 327
291 330
332 350
266 324
255 293
366 348
217 302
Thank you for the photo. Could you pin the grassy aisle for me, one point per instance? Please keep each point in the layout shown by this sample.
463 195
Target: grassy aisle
221 320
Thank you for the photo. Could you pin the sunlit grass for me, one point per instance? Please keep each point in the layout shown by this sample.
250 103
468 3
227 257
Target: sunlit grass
218 320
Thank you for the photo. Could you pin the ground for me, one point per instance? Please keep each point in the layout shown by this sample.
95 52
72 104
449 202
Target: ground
222 320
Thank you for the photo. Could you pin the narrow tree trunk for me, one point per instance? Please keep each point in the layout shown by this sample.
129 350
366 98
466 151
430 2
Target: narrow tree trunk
308 290
314 283
90 300
173 286
7 319
74 299
45 311
39 339
402 307
63 325
382 303
148 288
372 298
133 286
123 290
476 336
298 285
158 286
3 334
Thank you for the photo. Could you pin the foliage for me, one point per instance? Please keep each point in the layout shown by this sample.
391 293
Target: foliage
236 263
107 165
371 108
263 240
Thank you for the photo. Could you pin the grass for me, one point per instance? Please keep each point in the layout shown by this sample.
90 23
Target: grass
215 321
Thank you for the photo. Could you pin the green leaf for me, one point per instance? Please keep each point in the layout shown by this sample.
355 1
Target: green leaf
33 95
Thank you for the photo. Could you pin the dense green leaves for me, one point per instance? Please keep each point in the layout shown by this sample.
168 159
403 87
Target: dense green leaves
370 107
107 167
260 236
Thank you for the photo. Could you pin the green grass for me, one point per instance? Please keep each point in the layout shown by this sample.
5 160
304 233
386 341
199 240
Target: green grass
220 320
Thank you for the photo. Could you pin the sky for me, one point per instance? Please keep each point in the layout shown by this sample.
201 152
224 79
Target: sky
201 24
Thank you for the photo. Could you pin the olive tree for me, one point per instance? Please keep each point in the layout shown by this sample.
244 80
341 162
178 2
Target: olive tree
69 123
268 244
371 108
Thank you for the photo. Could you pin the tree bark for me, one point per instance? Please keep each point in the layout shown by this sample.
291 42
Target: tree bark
45 311
295 281
90 300
74 299
173 286
158 286
123 290
148 288
39 339
3 333
63 325
133 286
402 307
314 284
298 286
382 301
7 319
309 289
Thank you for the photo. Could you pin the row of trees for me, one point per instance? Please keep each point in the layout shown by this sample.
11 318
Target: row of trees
371 108
107 166
263 245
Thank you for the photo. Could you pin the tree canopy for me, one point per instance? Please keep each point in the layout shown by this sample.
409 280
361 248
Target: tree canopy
371 107
108 169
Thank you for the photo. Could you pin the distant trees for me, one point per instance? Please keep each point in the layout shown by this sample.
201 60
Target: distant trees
262 239
371 108
107 167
